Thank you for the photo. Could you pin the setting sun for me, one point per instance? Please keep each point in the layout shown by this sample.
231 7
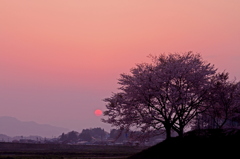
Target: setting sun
98 112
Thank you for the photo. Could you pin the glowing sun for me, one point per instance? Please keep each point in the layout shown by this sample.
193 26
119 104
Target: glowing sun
98 112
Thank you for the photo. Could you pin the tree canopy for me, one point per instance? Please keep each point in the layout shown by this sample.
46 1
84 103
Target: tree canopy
223 103
165 94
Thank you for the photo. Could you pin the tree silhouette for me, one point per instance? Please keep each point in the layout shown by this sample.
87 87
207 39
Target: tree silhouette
167 93
85 135
223 102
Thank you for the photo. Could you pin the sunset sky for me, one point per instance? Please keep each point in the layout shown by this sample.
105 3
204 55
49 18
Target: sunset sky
60 58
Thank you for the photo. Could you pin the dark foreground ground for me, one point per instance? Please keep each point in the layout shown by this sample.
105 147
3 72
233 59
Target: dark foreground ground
54 151
198 144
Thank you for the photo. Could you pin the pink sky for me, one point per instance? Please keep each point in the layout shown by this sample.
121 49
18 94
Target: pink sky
59 59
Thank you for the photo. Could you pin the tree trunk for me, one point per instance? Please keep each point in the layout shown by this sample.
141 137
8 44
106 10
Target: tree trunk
168 131
180 132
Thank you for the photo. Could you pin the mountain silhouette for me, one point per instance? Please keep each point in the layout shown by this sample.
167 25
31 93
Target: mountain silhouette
13 127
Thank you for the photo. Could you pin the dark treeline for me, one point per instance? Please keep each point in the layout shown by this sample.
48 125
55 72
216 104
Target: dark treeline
99 136
86 135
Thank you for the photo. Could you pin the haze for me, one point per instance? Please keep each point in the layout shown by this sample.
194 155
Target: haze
59 59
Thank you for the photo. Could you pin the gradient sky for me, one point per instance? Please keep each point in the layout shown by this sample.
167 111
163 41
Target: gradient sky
60 58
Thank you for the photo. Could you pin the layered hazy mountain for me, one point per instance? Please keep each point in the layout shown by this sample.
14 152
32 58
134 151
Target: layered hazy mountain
13 127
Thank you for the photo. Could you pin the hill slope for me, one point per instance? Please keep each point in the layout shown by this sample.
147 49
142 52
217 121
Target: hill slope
196 144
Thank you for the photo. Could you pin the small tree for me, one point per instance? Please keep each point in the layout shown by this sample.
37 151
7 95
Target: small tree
167 93
63 137
71 136
98 133
85 135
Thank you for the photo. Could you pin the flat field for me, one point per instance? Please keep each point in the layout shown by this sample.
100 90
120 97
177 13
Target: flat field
59 151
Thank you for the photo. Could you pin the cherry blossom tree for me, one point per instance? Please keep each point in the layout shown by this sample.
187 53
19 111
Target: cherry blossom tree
167 93
223 101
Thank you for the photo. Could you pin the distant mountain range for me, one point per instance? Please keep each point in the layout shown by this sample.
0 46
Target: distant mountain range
13 127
